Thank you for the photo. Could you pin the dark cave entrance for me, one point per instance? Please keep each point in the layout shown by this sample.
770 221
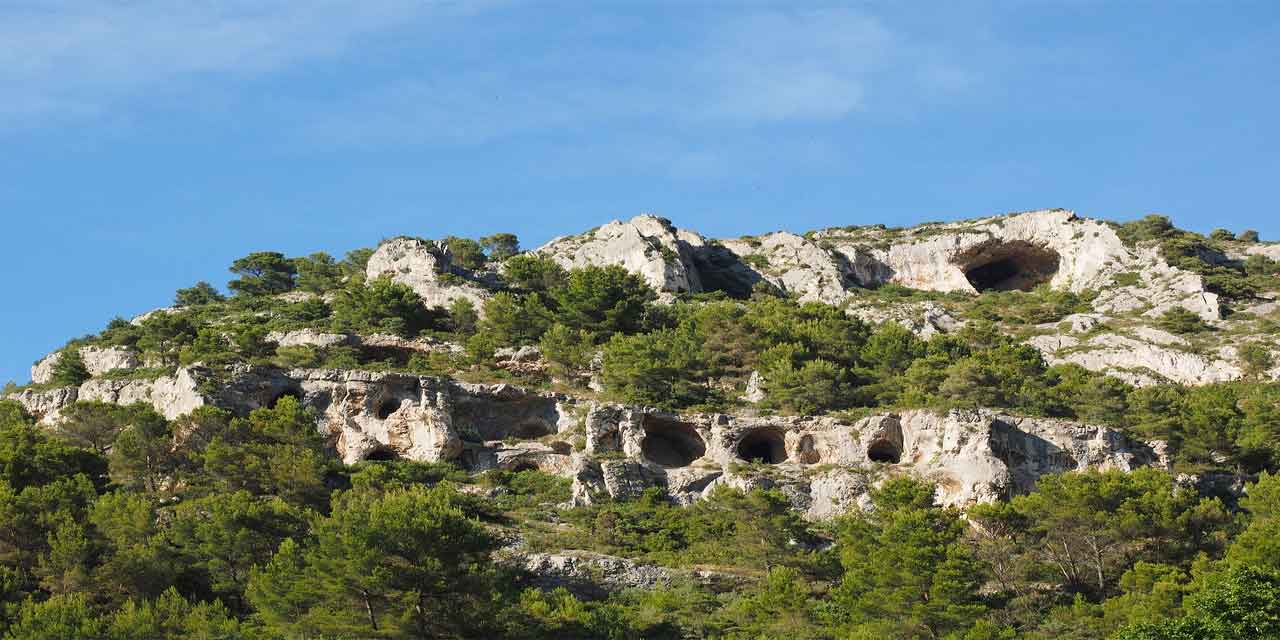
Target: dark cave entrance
382 454
387 408
763 445
884 451
523 465
1011 266
290 393
670 443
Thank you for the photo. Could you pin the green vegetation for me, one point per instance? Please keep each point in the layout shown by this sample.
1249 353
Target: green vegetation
213 526
381 306
69 369
201 293
263 273
1203 255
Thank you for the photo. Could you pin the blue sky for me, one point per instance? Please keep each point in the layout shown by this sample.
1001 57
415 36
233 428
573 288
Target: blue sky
145 145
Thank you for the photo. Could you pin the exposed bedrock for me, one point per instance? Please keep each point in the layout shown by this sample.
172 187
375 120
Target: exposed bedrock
1000 253
824 465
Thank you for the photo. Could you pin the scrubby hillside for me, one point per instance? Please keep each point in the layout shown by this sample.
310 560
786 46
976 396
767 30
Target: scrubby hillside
1033 425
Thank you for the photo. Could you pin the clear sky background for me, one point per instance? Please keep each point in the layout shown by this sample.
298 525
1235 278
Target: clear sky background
145 145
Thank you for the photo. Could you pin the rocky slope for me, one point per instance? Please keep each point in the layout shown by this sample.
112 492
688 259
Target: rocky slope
825 464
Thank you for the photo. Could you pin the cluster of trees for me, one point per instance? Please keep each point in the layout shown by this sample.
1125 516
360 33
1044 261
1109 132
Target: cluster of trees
122 525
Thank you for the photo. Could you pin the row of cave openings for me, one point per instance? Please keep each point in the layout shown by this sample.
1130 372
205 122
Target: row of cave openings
673 444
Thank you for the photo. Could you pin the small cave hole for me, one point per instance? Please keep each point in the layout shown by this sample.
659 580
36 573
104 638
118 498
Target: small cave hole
381 454
763 445
388 407
884 451
669 443
291 393
1012 266
523 465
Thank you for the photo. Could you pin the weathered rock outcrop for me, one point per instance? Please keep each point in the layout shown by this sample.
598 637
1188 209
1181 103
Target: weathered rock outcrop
823 464
1138 355
97 360
1018 251
420 264
1012 252
649 246
827 465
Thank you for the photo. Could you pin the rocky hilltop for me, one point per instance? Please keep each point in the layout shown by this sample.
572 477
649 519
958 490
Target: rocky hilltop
1133 283
931 279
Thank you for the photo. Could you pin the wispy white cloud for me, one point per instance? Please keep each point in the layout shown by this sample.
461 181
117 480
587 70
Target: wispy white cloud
718 74
76 58
761 68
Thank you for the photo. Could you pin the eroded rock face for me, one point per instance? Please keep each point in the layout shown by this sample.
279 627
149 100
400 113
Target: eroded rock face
1152 357
975 456
419 264
824 465
97 360
1013 252
796 265
646 245
45 404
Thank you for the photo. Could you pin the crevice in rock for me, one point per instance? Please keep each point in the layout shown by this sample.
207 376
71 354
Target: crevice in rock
1008 266
763 445
808 452
670 443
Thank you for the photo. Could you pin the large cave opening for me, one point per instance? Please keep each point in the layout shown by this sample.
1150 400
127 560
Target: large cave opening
671 443
1009 266
763 445
883 450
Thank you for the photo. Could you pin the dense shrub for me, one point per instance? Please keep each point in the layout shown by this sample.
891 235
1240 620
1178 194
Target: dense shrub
381 306
200 294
